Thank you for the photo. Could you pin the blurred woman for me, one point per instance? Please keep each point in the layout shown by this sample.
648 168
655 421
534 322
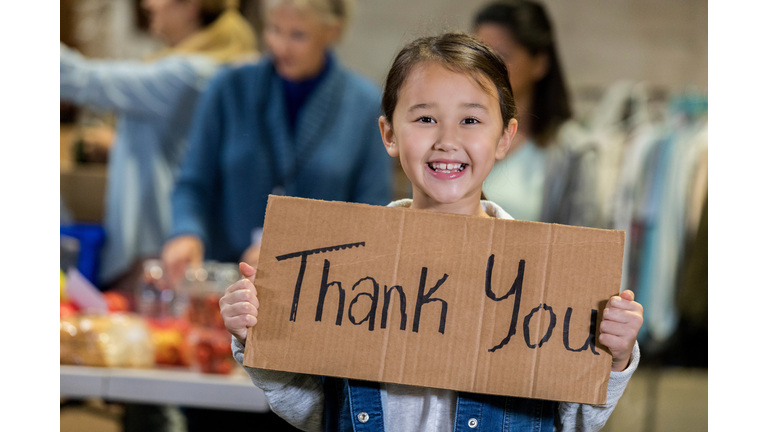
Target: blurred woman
297 123
154 103
545 176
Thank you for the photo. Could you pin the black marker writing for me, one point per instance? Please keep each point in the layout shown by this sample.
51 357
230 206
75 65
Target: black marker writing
385 307
424 299
516 289
300 279
371 316
527 322
590 342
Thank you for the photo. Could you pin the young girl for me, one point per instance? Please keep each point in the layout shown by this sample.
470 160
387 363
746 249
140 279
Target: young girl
448 115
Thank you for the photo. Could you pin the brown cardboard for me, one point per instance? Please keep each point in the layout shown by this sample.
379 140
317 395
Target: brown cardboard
82 188
564 267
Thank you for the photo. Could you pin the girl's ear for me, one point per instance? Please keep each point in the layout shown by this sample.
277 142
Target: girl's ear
388 137
506 139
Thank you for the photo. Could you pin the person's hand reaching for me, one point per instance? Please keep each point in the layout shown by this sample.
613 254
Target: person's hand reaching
251 255
180 252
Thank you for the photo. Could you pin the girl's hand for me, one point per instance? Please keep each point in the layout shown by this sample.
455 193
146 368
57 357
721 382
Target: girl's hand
622 319
239 305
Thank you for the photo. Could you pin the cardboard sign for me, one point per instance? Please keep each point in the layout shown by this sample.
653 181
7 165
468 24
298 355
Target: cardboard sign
432 299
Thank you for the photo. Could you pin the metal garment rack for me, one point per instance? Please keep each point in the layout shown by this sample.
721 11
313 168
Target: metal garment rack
163 387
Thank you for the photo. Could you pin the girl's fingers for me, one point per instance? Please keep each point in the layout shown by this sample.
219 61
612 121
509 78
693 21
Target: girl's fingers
618 302
628 295
243 295
616 344
242 321
622 316
248 272
242 284
242 308
616 329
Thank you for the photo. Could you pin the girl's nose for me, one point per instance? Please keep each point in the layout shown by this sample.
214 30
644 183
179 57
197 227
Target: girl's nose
447 139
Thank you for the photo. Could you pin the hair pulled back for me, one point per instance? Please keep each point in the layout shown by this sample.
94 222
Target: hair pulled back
458 52
330 11
528 25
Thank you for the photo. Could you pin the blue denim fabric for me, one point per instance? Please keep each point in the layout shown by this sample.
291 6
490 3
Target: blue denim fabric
346 400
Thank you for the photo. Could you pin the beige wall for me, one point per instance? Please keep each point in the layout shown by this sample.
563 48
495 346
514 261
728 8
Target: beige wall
663 42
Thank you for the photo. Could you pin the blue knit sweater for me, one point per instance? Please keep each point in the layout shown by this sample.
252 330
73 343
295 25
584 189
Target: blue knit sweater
240 150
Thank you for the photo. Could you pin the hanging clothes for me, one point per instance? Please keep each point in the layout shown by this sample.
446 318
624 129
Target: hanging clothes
666 227
651 179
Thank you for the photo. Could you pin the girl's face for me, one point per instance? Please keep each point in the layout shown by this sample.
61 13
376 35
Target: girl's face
448 132
297 40
525 70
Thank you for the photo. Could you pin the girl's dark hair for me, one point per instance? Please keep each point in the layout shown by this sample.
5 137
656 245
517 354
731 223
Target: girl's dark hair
529 25
458 52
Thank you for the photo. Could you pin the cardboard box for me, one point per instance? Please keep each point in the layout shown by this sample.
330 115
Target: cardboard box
83 188
437 300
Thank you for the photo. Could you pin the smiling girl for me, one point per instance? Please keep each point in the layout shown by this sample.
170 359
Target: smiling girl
448 115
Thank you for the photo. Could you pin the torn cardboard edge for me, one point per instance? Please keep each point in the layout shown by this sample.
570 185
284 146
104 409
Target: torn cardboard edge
433 299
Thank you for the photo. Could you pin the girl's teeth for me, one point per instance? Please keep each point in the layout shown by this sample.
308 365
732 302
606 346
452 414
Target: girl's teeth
447 167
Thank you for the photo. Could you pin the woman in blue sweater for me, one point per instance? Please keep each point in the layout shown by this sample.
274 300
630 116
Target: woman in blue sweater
296 123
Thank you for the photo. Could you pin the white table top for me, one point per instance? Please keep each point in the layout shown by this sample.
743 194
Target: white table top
163 386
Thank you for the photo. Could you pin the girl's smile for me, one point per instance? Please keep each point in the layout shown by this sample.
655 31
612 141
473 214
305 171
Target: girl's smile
447 130
446 169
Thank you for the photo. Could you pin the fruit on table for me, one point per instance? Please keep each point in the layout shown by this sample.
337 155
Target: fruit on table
169 337
67 309
116 302
212 352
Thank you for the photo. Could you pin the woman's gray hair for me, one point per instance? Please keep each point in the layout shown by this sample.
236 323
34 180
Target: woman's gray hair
331 12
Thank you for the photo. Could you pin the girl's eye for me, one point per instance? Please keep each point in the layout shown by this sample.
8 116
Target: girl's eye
425 120
470 120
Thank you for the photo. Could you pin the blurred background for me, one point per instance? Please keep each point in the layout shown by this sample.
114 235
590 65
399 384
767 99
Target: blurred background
636 75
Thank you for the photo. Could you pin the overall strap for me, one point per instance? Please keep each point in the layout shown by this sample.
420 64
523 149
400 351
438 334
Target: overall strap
477 412
365 406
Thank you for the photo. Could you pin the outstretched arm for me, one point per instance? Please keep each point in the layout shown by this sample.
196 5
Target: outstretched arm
129 86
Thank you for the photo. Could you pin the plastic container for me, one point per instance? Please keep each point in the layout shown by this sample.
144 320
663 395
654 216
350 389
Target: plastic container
209 341
155 296
203 288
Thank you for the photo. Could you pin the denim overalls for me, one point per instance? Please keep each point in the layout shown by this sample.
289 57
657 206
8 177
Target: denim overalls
352 405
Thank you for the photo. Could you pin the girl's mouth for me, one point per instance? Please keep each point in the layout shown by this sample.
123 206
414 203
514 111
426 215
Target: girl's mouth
446 168
446 171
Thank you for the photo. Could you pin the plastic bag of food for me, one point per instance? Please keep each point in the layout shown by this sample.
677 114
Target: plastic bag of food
114 340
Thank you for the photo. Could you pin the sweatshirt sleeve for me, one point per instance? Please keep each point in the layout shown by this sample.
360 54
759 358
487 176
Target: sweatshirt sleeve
152 89
297 398
575 417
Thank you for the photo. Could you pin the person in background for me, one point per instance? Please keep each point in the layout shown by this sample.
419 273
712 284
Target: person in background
545 176
297 123
153 101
